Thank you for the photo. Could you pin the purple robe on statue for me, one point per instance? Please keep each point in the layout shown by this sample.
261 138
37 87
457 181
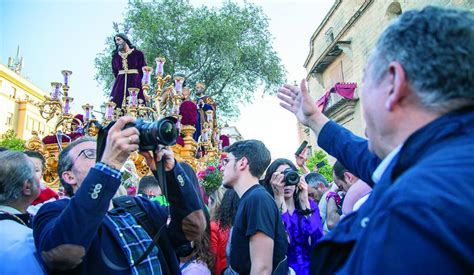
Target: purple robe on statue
304 232
128 74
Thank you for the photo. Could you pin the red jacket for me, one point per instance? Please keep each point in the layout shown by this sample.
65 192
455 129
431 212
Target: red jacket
45 195
219 238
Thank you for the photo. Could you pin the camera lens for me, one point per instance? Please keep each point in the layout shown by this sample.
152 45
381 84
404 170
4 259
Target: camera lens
291 177
167 132
163 132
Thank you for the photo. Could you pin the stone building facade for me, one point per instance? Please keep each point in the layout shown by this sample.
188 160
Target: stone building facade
340 47
18 111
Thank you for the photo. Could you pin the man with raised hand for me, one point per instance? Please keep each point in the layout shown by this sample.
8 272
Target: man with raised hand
418 105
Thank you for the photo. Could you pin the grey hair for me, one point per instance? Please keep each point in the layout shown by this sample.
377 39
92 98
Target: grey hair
14 171
435 47
65 162
313 179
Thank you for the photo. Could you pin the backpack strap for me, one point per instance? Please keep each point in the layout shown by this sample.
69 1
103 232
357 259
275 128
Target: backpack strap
130 205
23 219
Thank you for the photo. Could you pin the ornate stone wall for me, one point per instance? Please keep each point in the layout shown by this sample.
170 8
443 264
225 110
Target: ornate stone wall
341 45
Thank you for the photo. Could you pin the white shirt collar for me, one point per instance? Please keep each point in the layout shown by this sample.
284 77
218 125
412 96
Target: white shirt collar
9 209
377 175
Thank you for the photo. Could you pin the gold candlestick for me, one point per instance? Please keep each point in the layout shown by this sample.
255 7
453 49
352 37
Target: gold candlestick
188 152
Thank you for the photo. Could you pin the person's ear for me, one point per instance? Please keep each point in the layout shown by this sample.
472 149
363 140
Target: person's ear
399 86
320 186
243 162
349 177
69 178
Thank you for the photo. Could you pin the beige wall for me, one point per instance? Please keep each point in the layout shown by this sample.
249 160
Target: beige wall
363 32
17 109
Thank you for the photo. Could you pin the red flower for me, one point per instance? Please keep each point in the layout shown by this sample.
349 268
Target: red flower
201 174
225 140
132 191
211 168
188 112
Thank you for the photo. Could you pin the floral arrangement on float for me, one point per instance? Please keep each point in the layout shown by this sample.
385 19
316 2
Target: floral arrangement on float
130 178
188 112
210 177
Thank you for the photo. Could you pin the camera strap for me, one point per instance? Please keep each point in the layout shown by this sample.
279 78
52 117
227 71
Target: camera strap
160 176
129 204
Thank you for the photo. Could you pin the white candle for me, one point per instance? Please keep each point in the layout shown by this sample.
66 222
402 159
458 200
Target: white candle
160 62
66 108
110 112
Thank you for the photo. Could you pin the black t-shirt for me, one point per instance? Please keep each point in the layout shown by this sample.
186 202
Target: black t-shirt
257 212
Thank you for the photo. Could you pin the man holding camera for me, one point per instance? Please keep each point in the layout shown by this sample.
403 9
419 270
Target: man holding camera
258 241
418 104
85 235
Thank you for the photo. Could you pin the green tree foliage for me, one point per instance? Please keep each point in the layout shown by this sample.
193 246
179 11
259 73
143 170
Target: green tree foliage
10 141
317 157
229 49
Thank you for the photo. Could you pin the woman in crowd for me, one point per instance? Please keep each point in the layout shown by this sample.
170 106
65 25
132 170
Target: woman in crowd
214 201
220 228
299 214
201 260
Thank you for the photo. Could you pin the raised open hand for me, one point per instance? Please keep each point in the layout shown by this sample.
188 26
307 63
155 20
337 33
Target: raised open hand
299 102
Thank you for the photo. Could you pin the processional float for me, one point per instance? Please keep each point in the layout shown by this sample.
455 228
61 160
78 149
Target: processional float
199 140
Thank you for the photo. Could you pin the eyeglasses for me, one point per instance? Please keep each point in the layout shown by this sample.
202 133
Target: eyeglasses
88 153
225 161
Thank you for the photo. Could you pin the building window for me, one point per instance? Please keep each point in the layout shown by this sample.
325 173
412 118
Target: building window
335 75
13 94
9 121
29 123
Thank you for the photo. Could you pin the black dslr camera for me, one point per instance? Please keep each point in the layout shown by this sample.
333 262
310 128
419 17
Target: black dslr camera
291 177
163 132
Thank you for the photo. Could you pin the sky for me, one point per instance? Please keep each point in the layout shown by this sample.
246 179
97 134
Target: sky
64 34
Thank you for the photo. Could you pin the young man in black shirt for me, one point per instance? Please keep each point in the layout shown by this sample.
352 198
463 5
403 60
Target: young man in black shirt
258 228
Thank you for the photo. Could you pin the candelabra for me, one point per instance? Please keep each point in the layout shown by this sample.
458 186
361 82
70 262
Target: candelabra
55 105
135 106
155 99
91 125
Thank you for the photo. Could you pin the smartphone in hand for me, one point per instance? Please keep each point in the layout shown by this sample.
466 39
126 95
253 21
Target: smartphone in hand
301 148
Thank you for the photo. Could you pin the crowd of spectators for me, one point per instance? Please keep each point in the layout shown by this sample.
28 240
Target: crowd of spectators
390 209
